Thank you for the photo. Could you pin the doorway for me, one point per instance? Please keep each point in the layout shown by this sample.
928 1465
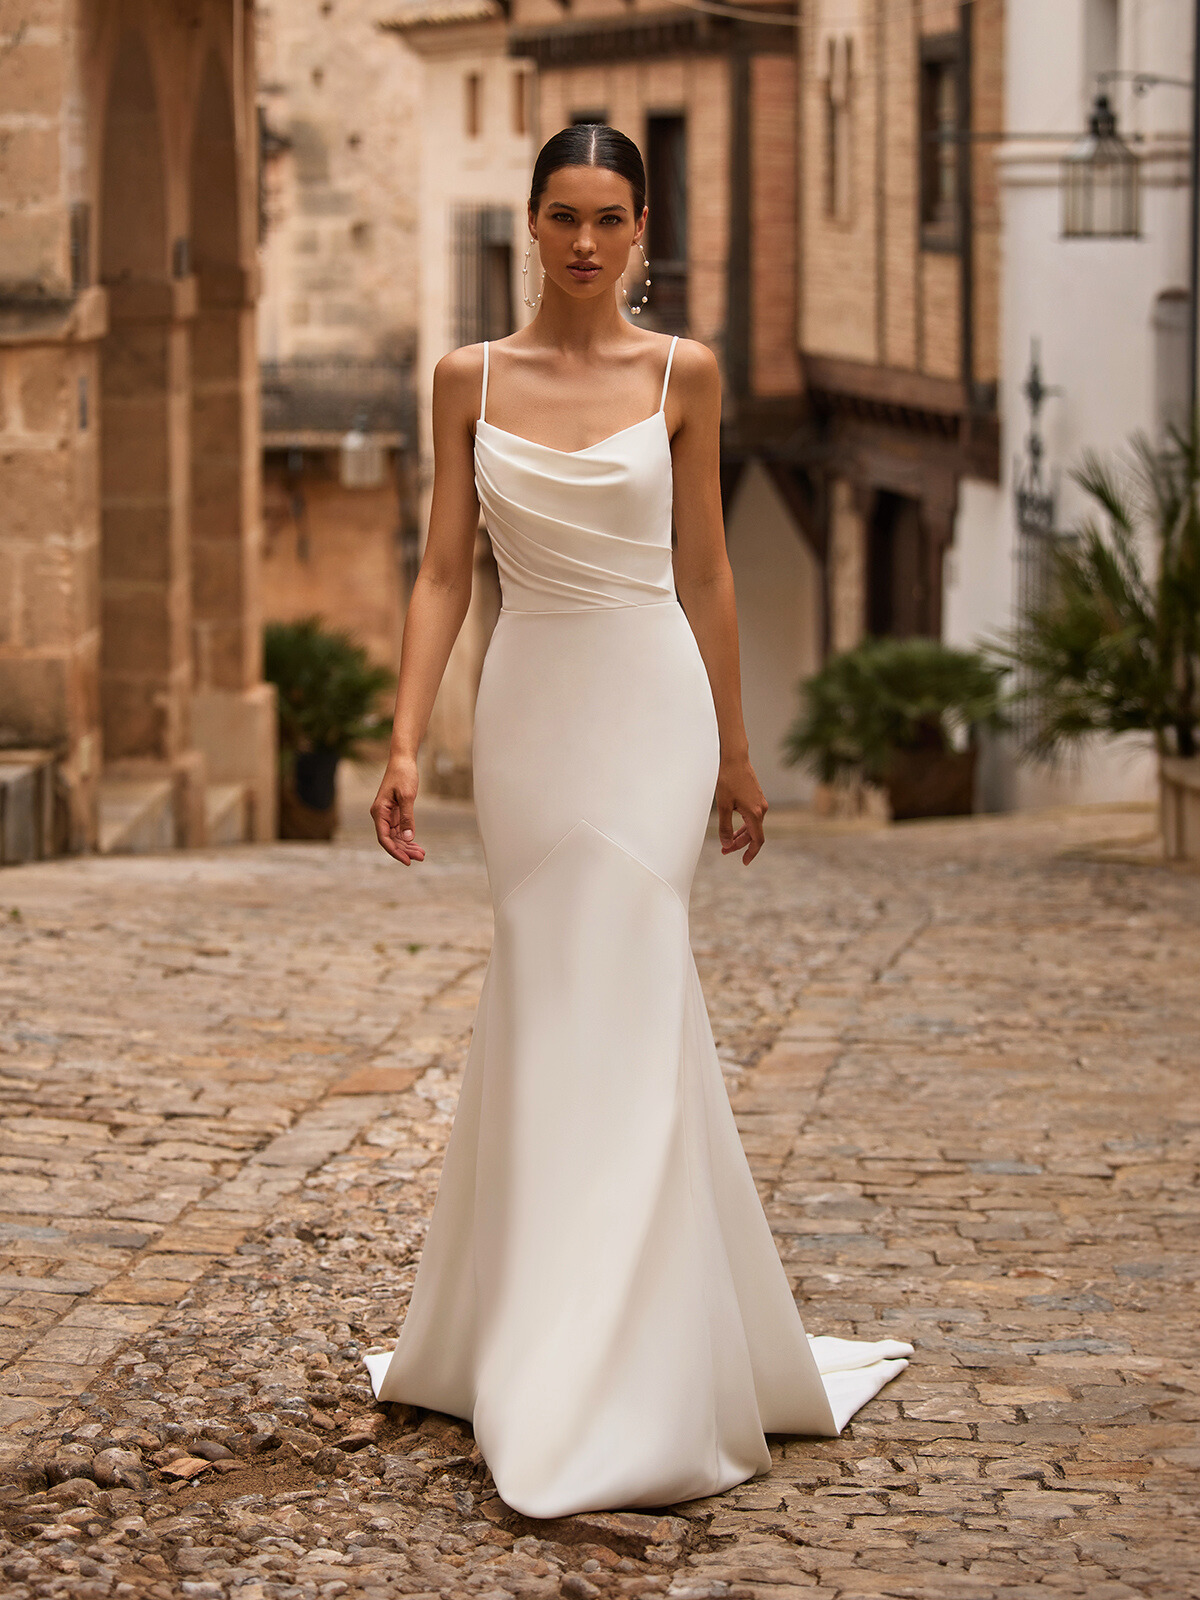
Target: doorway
899 593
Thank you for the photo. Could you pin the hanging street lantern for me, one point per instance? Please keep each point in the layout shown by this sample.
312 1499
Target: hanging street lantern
1101 182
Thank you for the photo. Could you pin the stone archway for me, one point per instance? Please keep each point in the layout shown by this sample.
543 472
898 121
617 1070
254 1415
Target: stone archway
232 709
145 666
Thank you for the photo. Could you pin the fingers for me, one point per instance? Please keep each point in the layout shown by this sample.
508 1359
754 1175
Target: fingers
749 837
725 823
754 827
405 805
392 814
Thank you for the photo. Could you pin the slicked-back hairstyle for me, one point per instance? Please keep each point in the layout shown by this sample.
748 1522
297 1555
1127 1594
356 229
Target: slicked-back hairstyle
590 144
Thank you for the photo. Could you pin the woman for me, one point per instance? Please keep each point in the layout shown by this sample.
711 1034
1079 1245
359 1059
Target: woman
599 1292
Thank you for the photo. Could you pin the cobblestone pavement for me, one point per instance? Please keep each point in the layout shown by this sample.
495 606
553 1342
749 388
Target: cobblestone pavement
963 1058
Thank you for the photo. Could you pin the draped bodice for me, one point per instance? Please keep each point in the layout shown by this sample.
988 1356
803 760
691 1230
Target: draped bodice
575 530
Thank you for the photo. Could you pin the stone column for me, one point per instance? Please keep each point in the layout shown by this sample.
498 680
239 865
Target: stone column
145 582
233 710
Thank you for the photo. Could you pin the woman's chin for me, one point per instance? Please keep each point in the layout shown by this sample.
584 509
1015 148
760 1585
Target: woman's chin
585 288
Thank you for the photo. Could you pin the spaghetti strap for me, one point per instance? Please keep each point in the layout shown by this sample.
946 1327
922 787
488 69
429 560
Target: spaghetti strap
483 395
667 376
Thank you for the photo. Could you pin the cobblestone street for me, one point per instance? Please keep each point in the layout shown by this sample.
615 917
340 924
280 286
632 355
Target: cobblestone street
963 1058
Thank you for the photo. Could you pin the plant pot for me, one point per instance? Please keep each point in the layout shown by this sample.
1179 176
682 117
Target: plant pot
1179 807
308 795
314 777
931 783
849 798
298 821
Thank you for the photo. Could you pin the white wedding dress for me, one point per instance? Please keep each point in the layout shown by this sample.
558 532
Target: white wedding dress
599 1293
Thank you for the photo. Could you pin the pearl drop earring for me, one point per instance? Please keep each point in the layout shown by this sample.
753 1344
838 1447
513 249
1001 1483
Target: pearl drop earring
636 311
525 278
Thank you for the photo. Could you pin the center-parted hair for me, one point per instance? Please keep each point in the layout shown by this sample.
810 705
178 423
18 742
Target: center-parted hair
590 144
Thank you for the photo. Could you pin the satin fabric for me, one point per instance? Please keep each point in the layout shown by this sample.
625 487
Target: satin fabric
599 1292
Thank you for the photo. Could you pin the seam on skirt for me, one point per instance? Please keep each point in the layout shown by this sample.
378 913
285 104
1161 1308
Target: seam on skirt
573 611
600 834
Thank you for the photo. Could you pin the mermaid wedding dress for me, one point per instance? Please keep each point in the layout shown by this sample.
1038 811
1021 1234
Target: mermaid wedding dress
599 1292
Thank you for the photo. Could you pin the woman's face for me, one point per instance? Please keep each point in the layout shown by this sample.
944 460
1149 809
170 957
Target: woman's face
585 227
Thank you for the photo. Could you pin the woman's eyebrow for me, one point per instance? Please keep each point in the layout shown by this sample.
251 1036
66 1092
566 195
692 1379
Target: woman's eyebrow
562 205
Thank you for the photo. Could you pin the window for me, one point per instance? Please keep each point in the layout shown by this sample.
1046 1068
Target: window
81 245
483 273
666 241
838 87
940 130
472 104
1171 325
496 307
522 85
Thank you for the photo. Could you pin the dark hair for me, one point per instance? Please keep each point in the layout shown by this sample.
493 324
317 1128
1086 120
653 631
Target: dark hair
590 144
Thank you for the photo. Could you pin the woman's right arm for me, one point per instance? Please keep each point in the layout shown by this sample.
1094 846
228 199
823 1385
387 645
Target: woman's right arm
440 596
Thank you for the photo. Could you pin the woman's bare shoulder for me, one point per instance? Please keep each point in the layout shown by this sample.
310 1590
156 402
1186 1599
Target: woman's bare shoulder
695 363
459 369
694 391
458 385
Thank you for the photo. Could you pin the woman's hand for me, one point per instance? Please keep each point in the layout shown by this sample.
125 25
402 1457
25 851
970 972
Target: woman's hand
392 811
738 790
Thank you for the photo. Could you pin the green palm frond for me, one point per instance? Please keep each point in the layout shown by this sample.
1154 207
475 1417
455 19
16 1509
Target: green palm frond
1116 646
887 695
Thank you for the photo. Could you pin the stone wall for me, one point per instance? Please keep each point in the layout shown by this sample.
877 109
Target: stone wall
129 394
335 552
340 104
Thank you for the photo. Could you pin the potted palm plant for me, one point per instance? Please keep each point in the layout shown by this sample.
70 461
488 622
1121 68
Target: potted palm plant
328 694
1115 647
902 714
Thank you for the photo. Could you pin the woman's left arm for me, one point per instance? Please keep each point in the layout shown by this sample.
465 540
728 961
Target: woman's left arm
705 585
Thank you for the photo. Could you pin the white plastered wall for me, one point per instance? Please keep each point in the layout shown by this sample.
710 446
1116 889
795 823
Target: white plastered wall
778 585
1090 304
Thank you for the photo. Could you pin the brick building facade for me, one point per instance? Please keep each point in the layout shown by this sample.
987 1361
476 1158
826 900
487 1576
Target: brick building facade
339 111
898 296
129 637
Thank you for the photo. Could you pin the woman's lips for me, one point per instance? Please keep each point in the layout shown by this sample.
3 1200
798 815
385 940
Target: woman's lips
583 273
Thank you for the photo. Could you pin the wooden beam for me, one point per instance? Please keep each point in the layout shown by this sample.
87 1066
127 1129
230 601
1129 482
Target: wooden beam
888 386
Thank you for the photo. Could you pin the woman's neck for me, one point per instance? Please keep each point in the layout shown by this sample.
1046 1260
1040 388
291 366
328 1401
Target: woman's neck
578 325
